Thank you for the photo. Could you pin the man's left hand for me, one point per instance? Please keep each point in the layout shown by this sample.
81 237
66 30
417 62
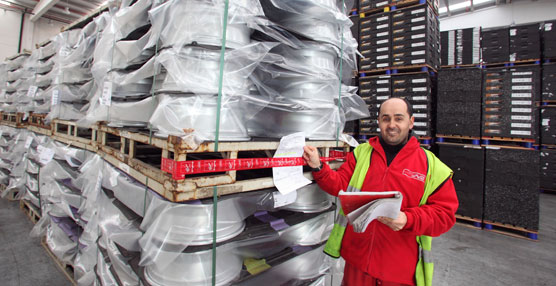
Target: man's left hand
395 224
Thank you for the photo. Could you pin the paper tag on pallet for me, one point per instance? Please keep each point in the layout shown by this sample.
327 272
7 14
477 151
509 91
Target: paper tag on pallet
55 97
32 91
289 179
28 142
45 154
546 122
548 27
513 32
281 200
106 96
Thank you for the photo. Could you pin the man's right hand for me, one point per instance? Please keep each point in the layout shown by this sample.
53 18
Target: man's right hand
311 156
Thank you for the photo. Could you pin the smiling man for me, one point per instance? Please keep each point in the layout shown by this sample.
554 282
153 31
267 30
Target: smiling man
390 251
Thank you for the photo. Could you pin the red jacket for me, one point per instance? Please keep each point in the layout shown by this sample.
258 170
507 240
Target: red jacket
380 251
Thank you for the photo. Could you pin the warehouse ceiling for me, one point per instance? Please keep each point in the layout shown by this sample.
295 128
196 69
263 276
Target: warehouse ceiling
66 11
455 7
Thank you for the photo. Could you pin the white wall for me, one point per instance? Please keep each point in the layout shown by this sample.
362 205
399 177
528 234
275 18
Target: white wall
517 12
33 32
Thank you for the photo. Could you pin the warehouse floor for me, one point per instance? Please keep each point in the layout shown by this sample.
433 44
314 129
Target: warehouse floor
463 256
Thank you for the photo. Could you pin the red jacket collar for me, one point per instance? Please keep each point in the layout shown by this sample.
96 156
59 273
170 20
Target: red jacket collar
411 145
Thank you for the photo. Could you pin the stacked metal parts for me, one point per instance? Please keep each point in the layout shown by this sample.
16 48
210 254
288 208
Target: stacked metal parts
67 85
461 47
280 68
509 96
459 102
16 80
284 66
400 48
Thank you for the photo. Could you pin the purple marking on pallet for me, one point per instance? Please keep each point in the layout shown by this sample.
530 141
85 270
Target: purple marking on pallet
279 224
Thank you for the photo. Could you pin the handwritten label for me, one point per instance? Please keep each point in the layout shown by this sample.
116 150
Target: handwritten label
55 100
106 97
32 91
45 154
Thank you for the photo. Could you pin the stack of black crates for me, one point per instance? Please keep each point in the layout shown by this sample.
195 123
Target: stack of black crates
400 44
548 108
461 47
494 114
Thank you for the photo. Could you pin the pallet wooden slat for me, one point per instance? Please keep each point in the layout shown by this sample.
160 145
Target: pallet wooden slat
66 269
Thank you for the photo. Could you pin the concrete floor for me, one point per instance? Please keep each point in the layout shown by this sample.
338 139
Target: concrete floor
466 256
463 256
23 261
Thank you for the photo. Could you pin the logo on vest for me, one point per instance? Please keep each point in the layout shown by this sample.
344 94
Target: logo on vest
414 175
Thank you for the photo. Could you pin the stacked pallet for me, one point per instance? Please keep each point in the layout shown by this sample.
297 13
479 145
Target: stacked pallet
468 163
146 75
512 188
461 47
525 42
459 102
510 100
400 45
549 39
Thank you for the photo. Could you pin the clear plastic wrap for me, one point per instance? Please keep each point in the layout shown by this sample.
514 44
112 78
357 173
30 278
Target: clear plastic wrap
132 52
17 62
196 70
133 113
271 236
60 244
200 22
47 50
196 115
129 19
307 265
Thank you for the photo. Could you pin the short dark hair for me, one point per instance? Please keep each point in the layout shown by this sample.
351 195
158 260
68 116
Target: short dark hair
409 107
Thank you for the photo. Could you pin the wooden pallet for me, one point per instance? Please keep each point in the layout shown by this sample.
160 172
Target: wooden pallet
406 3
458 139
506 142
66 269
477 65
30 210
68 132
16 120
398 69
474 223
511 230
13 196
38 120
514 63
367 10
139 155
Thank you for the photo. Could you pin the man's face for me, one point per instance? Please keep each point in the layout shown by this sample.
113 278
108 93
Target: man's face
394 121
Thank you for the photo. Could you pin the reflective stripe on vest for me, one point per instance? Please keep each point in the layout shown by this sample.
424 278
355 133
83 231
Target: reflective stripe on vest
437 174
334 243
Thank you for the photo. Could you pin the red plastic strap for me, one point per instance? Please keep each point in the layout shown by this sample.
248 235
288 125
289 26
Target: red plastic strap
179 169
